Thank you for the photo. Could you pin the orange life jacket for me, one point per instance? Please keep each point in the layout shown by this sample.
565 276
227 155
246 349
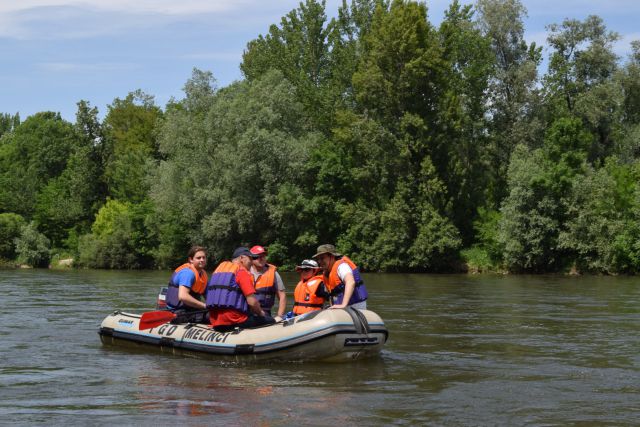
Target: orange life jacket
201 279
266 288
226 267
333 280
305 298
336 288
196 290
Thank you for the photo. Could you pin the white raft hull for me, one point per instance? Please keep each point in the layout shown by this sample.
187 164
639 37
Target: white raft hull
328 335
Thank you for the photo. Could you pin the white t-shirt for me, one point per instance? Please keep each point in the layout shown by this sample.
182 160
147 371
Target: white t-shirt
343 270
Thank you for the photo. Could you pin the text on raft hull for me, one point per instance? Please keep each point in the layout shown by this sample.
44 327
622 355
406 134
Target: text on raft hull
328 335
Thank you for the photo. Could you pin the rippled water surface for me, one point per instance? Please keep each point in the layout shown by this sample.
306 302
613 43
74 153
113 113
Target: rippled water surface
463 350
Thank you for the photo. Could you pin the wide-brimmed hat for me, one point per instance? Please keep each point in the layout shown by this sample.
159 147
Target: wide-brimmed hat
327 249
307 264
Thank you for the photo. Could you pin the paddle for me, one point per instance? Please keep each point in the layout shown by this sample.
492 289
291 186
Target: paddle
151 319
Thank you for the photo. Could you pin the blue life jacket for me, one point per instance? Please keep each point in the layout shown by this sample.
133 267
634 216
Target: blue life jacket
223 291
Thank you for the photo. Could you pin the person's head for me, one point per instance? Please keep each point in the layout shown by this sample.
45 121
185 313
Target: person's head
326 256
307 269
260 256
197 257
242 256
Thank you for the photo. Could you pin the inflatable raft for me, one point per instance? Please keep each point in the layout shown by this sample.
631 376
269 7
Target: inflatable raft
328 335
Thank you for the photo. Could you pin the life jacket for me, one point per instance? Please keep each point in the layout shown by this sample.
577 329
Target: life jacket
223 291
266 288
336 287
305 298
197 289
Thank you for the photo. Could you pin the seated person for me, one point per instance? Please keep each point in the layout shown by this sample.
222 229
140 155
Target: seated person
342 278
231 296
268 282
187 286
310 294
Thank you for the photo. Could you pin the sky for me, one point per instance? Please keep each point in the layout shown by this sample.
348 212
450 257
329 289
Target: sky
54 53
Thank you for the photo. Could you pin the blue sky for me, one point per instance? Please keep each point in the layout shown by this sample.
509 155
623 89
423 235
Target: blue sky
54 53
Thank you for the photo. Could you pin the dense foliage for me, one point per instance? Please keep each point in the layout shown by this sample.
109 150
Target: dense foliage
410 146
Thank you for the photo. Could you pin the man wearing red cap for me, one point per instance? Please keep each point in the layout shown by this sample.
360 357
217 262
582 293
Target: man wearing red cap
268 282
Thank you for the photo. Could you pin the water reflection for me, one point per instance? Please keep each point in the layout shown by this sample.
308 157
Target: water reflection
248 396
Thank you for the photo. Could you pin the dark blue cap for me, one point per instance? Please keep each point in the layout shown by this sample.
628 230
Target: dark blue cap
242 250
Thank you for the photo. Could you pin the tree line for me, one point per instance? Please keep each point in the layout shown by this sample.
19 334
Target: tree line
411 147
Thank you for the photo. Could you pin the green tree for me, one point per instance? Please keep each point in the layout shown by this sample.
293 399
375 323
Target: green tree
130 145
628 78
32 246
461 144
535 212
231 179
8 122
183 141
118 237
580 79
68 203
35 152
513 101
602 230
402 70
10 228
487 253
298 48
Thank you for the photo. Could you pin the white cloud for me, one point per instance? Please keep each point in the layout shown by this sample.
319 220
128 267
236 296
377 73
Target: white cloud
73 19
168 7
9 27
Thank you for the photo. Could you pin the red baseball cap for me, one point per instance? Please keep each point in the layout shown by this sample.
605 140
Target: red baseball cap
258 250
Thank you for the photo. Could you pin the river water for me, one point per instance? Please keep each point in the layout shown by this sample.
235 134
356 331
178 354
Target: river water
463 350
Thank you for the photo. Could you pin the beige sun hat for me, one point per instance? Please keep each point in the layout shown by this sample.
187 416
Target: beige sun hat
327 249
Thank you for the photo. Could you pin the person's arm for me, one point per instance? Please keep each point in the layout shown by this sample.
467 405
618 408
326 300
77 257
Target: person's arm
186 279
282 295
245 281
282 302
321 292
349 287
254 305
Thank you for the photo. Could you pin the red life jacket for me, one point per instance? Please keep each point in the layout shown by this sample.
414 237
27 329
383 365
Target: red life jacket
305 298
